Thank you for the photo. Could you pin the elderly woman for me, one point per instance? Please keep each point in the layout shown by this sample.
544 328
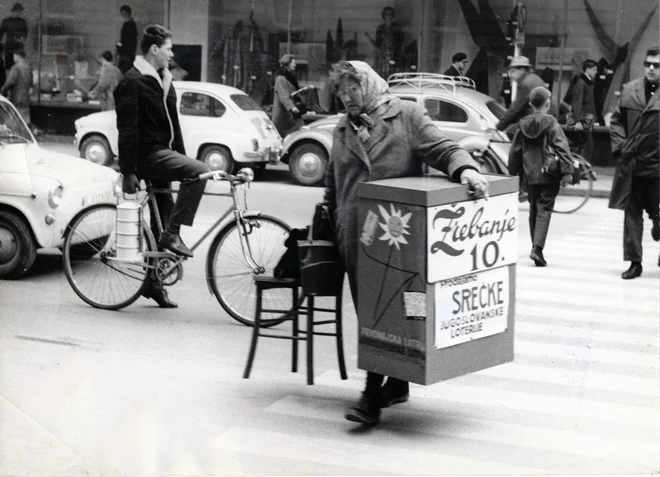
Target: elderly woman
382 137
286 116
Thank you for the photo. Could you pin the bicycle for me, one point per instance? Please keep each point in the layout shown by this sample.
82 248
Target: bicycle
492 154
251 243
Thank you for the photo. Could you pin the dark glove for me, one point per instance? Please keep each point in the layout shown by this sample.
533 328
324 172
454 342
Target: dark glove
130 183
567 179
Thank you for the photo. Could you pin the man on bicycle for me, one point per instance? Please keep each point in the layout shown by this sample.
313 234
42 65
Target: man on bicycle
151 145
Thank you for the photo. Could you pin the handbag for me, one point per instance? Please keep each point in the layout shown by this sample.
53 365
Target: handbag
552 163
321 267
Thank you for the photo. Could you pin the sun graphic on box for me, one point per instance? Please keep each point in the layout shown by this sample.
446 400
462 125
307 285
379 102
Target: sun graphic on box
395 226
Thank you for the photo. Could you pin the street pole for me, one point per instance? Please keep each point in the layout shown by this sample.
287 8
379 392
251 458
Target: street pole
516 50
288 36
561 55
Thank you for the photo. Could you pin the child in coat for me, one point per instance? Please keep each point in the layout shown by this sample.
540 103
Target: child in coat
540 151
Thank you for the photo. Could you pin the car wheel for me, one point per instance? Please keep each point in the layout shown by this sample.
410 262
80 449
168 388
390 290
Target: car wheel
96 149
17 248
217 158
308 163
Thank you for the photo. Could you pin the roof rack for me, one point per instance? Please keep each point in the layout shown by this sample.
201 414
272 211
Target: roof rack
430 80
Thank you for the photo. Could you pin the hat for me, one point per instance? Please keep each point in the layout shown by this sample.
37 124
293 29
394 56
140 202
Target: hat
17 7
520 62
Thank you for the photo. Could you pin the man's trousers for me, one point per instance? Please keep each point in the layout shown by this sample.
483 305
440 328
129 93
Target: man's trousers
644 196
541 199
165 166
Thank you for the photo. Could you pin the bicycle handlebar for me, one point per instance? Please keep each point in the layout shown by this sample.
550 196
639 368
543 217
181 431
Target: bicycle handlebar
241 177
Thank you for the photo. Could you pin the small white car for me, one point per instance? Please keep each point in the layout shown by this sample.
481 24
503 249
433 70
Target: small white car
221 126
40 193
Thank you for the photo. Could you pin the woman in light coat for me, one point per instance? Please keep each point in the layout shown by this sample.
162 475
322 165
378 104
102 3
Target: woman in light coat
381 137
108 81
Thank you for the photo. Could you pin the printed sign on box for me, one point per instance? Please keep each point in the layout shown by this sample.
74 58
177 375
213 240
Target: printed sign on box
471 307
472 236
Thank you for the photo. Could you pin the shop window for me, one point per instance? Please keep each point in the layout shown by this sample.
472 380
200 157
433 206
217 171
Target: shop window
445 111
197 104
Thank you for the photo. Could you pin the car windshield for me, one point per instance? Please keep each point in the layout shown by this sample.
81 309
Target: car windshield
244 102
12 127
496 108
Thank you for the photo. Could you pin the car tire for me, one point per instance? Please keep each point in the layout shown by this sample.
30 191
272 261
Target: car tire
17 247
97 149
217 158
308 163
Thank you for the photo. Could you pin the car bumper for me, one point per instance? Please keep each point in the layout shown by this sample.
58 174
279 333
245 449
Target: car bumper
267 154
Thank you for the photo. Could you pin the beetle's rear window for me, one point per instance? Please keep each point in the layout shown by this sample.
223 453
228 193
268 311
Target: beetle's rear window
244 102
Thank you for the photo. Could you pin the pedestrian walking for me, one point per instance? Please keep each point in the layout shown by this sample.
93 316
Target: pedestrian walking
458 66
18 85
287 117
541 154
583 109
14 29
381 137
636 147
520 72
109 78
151 145
128 39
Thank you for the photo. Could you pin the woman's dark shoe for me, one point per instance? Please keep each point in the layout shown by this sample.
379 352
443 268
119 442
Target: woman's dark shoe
537 257
394 393
174 244
366 411
159 295
634 271
655 231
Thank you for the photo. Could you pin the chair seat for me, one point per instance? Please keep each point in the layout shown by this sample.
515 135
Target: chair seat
268 282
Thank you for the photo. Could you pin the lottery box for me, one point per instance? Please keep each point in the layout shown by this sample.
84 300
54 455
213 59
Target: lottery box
436 277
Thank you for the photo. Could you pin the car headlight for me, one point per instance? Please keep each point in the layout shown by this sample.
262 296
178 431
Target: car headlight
55 197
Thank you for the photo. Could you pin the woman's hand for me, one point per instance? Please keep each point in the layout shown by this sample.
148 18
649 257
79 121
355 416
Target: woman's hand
478 183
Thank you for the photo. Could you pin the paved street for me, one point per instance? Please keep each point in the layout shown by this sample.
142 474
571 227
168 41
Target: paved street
146 391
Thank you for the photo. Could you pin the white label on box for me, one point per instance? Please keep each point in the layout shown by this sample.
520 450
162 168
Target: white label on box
472 236
471 307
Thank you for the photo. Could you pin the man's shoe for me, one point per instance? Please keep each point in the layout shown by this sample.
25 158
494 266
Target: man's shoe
655 231
173 243
159 295
393 394
634 271
537 257
366 411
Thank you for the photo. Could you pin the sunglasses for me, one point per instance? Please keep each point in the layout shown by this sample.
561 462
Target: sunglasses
655 64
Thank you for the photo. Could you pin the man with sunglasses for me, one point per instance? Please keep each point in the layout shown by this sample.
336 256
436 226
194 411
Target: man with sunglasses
636 146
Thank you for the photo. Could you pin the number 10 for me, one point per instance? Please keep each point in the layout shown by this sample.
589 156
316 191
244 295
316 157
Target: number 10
487 258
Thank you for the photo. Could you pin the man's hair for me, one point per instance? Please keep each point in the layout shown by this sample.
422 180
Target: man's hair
107 56
653 51
286 59
125 8
458 57
21 53
586 64
154 35
539 96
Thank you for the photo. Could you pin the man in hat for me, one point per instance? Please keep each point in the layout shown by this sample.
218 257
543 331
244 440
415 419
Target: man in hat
15 29
520 72
458 66
583 108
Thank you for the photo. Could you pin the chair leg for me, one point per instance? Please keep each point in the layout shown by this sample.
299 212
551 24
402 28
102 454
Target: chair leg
255 335
340 338
294 344
310 339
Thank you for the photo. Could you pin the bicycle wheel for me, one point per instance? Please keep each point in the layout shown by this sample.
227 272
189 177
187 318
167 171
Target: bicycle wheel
230 275
573 197
89 264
